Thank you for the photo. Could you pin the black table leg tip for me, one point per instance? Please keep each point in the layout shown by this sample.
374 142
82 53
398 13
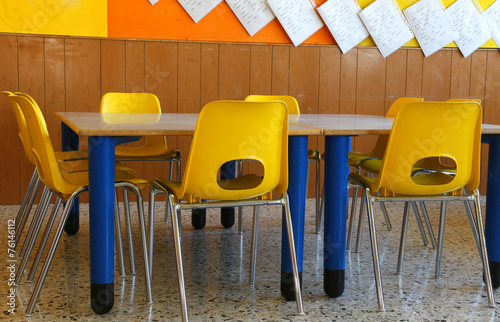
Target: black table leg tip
287 285
495 274
227 217
198 218
334 282
102 297
72 224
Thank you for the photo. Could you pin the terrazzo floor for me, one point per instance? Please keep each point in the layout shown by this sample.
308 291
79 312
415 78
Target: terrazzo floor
216 262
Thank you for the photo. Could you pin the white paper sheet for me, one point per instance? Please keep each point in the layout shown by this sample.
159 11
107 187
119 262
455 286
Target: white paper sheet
253 14
472 28
153 1
387 26
198 9
431 25
298 18
342 19
493 15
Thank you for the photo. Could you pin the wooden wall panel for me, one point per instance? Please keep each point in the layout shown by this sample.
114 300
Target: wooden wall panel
414 70
234 72
460 75
209 73
281 70
436 76
189 87
370 99
161 79
348 76
31 81
395 86
55 98
261 70
72 74
10 168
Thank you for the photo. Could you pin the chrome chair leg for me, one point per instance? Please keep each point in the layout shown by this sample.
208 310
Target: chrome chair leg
439 253
41 248
483 253
142 227
386 216
36 216
29 191
26 212
178 256
29 243
373 239
151 222
240 209
360 224
50 255
351 218
402 241
428 224
291 245
118 237
253 252
419 223
128 226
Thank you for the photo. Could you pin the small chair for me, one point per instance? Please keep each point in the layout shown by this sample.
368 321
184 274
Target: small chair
67 186
312 155
77 163
422 131
231 128
155 147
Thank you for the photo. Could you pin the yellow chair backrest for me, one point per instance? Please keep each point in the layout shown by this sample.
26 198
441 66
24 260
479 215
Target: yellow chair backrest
42 149
464 100
22 126
427 130
237 130
397 105
130 103
401 102
290 101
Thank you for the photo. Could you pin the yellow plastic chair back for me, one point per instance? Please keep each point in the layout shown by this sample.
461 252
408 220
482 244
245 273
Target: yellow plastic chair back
290 101
22 126
401 102
42 149
429 130
237 130
136 103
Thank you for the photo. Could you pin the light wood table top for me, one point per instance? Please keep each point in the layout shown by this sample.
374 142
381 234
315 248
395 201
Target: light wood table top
116 124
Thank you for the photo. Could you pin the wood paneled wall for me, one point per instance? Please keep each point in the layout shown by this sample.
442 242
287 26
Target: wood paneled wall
71 74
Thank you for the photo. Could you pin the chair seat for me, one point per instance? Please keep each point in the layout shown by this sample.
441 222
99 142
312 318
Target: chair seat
72 155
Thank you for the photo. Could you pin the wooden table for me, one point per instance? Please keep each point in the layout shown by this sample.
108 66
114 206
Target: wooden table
104 130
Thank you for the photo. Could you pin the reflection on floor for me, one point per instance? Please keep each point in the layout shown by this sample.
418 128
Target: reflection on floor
216 262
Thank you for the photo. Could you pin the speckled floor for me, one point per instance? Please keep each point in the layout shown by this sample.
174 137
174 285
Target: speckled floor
216 262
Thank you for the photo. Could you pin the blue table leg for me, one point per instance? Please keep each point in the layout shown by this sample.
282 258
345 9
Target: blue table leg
70 142
227 171
492 221
336 171
101 208
297 181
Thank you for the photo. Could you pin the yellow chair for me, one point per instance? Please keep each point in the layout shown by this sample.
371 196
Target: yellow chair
231 128
421 131
312 155
155 147
76 164
67 186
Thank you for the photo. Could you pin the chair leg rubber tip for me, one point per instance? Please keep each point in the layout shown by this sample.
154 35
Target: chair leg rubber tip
72 224
102 297
287 285
334 282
